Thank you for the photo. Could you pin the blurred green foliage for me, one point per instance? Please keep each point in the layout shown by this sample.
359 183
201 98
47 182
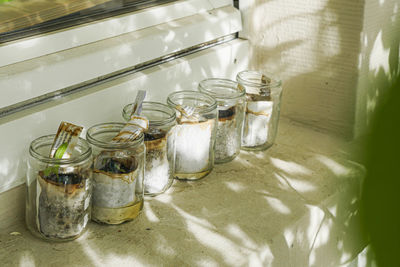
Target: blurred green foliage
381 188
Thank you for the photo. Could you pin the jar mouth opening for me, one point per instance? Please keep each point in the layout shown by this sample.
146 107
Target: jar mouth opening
109 127
253 78
47 141
222 88
175 98
161 108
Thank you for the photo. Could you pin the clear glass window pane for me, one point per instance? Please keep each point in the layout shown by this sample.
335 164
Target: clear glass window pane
22 18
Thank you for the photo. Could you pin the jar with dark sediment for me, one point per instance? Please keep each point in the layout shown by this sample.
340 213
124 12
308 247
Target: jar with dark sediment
118 173
194 133
59 190
160 145
263 100
230 98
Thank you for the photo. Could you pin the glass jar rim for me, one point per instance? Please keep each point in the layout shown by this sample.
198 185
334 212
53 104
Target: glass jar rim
147 106
186 94
108 127
238 90
48 140
275 82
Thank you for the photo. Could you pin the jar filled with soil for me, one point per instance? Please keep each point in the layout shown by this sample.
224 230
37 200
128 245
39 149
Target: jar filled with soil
117 174
194 134
231 101
263 101
160 146
58 201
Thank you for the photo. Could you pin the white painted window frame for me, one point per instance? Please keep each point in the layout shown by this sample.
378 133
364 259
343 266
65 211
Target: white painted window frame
36 66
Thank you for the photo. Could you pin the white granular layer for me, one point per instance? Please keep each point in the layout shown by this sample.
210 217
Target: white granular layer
226 143
193 147
256 127
157 177
109 192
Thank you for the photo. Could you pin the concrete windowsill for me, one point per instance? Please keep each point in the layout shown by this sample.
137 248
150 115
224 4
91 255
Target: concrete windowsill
292 205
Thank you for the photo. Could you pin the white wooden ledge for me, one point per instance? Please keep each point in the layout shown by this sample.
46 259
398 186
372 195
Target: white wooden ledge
292 205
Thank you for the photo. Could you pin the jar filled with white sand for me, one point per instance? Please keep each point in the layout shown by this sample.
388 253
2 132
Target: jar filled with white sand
263 101
231 101
196 115
160 146
118 173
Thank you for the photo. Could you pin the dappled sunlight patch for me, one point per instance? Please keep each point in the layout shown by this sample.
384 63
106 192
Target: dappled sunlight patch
340 245
260 155
95 258
27 259
283 184
29 43
186 69
289 237
333 210
225 247
151 216
207 262
262 257
164 198
190 218
290 167
163 247
5 167
301 186
346 256
235 186
124 50
316 216
98 257
395 11
278 205
312 258
237 232
169 37
323 234
337 168
379 57
349 219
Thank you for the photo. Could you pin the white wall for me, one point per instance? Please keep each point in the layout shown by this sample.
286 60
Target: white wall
318 48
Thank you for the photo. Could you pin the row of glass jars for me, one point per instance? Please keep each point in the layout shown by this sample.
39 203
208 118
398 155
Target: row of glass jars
105 181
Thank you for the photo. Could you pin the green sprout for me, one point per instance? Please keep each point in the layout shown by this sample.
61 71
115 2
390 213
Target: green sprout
58 155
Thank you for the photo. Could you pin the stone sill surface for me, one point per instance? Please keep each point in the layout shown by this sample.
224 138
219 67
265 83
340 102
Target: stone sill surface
292 205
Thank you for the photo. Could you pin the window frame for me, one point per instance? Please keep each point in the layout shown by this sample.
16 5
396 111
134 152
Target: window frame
47 43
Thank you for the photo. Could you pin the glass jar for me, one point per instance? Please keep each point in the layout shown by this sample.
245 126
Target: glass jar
59 191
231 101
117 174
263 101
160 146
194 134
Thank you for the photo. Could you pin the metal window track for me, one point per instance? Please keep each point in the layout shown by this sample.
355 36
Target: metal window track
84 86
